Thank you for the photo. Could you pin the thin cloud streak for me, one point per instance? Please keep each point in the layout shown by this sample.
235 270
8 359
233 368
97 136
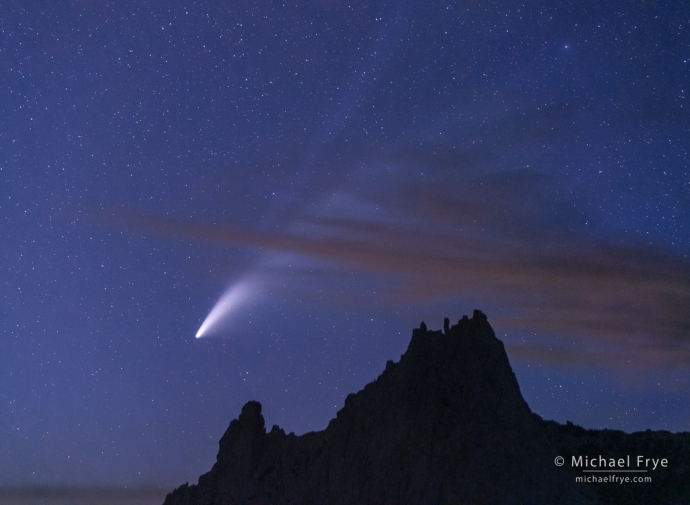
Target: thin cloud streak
616 293
517 239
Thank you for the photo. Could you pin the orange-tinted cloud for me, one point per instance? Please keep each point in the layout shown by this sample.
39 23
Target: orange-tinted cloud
617 291
502 239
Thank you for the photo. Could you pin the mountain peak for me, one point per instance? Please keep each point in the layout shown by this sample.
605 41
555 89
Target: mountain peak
446 424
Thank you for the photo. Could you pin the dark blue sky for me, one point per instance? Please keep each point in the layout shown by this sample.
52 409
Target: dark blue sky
340 171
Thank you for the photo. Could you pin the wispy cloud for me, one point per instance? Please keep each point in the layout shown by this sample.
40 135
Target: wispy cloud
510 238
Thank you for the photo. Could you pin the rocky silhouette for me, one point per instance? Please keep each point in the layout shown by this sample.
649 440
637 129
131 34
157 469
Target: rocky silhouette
447 424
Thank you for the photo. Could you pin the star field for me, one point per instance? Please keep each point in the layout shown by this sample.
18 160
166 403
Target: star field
347 169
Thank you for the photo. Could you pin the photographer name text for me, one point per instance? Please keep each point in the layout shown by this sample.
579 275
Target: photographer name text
600 462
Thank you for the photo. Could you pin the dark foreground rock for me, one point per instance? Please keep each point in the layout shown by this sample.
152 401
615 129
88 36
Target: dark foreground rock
445 425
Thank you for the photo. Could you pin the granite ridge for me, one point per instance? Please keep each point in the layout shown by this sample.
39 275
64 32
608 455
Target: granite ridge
447 424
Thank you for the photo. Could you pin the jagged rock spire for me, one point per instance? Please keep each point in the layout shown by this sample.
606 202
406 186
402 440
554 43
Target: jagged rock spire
445 425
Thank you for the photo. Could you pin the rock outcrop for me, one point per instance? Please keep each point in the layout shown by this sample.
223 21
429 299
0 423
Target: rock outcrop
447 424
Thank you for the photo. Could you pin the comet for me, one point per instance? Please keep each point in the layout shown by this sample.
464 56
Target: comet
233 297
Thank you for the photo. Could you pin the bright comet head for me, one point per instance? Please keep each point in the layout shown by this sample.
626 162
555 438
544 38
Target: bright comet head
232 297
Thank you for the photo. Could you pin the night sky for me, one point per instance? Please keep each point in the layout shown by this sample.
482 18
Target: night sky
328 174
